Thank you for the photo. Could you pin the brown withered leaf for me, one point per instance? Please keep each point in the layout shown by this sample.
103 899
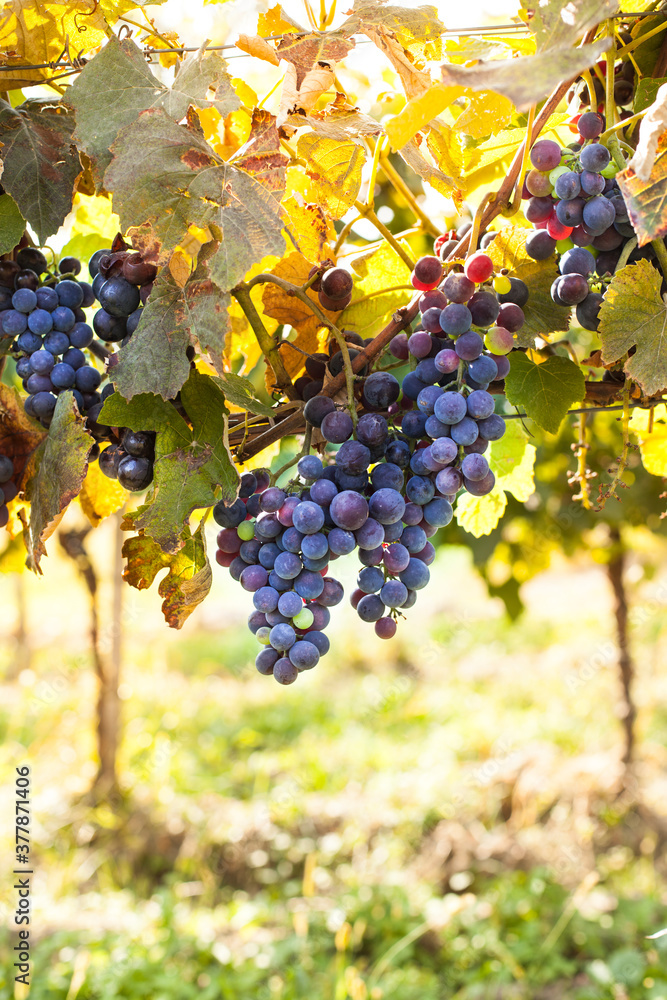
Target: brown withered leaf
256 46
189 578
261 155
20 436
304 51
646 201
416 160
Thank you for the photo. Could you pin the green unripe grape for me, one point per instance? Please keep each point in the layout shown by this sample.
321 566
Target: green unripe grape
498 340
304 619
262 634
610 170
563 245
246 530
556 173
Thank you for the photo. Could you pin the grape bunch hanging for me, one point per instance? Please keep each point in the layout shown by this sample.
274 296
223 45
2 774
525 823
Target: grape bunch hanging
578 212
404 449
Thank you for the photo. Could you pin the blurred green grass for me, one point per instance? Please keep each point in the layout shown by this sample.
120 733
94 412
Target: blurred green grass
436 817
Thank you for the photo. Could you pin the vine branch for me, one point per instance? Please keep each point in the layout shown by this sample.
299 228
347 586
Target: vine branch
269 349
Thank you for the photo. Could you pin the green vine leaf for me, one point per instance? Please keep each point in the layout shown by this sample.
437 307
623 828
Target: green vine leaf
546 391
154 359
190 462
189 578
119 80
61 470
41 164
634 314
241 392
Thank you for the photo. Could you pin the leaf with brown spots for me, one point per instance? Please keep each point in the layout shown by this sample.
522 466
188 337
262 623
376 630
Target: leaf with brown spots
60 471
304 51
165 175
646 201
340 122
261 155
41 164
189 578
119 80
20 436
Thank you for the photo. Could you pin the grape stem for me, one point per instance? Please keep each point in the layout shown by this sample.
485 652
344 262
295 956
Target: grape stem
269 349
402 188
625 254
610 56
477 222
367 212
293 423
295 290
661 254
513 206
507 187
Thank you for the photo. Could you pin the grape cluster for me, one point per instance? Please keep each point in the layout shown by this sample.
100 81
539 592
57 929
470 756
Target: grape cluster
122 282
389 484
319 366
578 211
44 312
8 488
624 82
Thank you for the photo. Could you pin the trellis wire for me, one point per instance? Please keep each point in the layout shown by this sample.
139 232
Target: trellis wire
472 30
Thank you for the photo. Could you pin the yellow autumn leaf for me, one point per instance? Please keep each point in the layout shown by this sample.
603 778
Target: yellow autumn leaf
512 460
233 133
93 227
308 228
262 460
244 92
381 271
100 496
487 114
334 170
480 515
418 112
167 59
255 45
653 442
276 22
37 31
180 266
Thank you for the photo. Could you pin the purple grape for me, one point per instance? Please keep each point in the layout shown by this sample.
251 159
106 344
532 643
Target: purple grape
492 428
394 594
370 534
455 318
539 245
341 542
599 214
412 514
594 157
315 546
396 557
272 499
370 579
469 345
457 287
570 213
352 458
545 155
482 487
332 593
435 428
416 575
427 397
336 427
309 584
386 505
349 510
370 608
322 492
577 261
284 671
413 424
287 565
474 467
444 451
419 490
438 512
309 468
381 389
447 361
308 517
568 185
484 308
450 408
265 661
253 578
319 640
483 369
388 475
265 599
466 431
304 655
592 183
372 430
419 344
